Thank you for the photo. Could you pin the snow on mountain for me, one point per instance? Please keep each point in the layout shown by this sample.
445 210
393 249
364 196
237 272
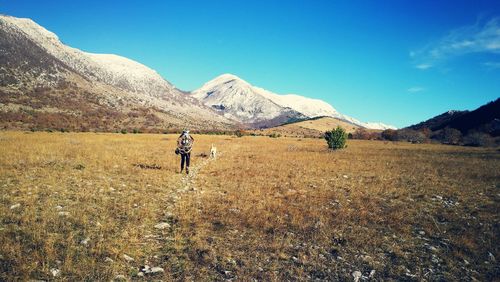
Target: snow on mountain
35 58
110 69
121 81
378 125
307 106
238 99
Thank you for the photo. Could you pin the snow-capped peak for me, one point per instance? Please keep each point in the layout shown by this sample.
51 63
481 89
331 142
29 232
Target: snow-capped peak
240 100
30 28
307 106
227 77
237 99
378 125
223 80
111 69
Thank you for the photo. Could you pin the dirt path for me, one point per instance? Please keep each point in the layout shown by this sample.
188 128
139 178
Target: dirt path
188 181
162 235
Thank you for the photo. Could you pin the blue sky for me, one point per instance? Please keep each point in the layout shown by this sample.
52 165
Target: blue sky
398 62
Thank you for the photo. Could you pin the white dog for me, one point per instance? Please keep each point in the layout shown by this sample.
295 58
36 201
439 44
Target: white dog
213 152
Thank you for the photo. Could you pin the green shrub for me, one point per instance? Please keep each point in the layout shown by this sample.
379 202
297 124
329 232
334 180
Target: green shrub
336 138
123 131
274 135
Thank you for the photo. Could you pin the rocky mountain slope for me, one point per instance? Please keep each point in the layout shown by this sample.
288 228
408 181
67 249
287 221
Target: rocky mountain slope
438 121
44 83
237 99
484 119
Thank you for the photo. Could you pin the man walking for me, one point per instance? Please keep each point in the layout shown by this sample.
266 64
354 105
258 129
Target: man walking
184 146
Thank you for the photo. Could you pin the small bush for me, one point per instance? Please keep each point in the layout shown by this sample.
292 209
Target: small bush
390 134
123 131
274 135
79 167
336 138
135 131
239 133
450 136
411 135
364 134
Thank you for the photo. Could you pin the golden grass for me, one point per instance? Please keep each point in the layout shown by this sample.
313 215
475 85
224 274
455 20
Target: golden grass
265 209
308 128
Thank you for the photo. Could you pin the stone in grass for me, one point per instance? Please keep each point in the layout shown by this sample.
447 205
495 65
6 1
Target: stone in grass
128 258
156 270
151 270
491 257
162 225
357 275
146 269
120 277
85 241
108 260
55 272
63 213
15 206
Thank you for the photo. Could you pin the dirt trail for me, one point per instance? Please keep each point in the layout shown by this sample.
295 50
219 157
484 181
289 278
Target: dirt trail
163 231
188 181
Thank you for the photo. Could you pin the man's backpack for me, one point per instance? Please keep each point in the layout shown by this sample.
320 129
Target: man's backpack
185 144
186 141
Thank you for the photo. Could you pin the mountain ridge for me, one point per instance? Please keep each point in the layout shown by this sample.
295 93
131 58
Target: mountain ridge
485 118
229 94
39 74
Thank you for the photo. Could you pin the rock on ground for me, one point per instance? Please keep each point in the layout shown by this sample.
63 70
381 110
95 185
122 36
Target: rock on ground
162 225
128 258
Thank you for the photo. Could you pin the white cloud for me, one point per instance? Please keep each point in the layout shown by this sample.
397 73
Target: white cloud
415 89
477 38
492 65
423 66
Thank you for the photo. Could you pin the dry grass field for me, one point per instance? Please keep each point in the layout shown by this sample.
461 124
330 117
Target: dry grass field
308 128
87 206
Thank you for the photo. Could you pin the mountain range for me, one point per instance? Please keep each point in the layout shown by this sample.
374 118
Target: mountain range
46 84
484 119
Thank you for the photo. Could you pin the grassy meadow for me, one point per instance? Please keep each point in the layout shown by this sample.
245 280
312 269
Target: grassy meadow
88 206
